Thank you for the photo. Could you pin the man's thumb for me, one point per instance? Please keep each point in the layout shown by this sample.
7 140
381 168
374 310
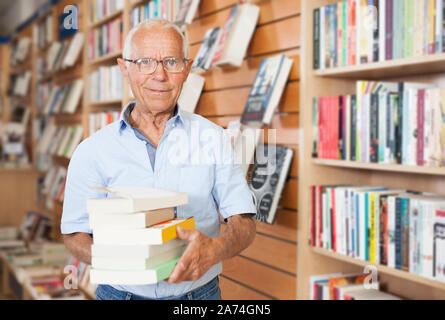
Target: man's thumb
183 234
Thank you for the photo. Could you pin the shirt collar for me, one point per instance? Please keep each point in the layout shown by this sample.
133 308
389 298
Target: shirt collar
124 120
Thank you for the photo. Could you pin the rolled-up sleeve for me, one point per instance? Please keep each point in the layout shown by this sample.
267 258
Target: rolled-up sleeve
230 190
82 176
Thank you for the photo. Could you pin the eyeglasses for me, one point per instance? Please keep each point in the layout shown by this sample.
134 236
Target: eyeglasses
170 64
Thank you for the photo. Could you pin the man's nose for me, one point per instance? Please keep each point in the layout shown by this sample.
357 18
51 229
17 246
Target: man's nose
159 73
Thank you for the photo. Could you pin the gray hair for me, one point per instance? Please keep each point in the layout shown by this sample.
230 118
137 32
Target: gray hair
151 23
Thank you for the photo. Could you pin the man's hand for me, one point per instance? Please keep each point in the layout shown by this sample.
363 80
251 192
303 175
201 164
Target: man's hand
203 252
200 255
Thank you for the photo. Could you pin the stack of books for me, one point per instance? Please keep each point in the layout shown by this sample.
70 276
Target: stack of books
135 235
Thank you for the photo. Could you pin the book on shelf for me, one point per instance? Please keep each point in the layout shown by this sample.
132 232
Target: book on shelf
357 32
204 57
21 84
20 115
244 140
45 32
384 122
338 286
105 84
99 120
20 50
267 180
267 89
100 9
106 39
64 99
191 92
75 48
186 11
369 294
156 234
135 199
137 220
236 35
394 228
155 9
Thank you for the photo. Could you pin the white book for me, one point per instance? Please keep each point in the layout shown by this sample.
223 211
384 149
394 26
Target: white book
391 232
74 50
239 35
371 294
135 199
52 55
77 138
133 277
157 234
74 96
187 11
67 131
139 220
134 251
117 263
191 92
204 57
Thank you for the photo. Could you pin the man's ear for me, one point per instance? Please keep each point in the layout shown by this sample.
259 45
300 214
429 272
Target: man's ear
123 66
189 68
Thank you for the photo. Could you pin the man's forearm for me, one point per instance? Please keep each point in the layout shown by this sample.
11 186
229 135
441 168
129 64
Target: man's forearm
79 245
237 236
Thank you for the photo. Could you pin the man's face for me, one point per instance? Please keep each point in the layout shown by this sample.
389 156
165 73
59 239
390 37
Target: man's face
160 90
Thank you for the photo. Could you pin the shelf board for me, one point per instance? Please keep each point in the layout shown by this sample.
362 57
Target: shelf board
434 63
383 269
106 58
439 171
106 19
137 3
106 103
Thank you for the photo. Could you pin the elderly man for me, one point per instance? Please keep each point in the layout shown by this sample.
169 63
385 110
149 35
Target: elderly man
137 151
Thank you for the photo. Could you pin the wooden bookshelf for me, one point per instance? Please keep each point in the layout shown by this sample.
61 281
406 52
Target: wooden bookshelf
106 19
336 81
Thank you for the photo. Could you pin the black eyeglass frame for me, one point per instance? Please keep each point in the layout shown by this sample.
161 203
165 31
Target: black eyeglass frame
137 61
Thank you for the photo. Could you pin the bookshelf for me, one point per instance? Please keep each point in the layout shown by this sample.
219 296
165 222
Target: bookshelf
318 83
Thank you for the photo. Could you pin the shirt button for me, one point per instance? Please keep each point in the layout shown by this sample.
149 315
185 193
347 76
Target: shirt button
163 290
159 174
145 142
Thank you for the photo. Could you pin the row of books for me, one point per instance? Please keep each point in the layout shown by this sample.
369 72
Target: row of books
35 227
43 93
396 228
81 271
179 11
60 141
100 9
54 183
64 99
135 235
105 84
20 50
60 55
383 122
353 286
101 119
45 32
227 46
19 83
106 39
360 31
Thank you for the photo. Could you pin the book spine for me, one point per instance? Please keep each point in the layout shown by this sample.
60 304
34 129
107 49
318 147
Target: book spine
345 34
428 101
399 126
353 32
389 29
315 125
405 234
382 29
372 235
374 128
398 233
339 34
391 232
320 217
431 26
382 121
443 25
376 30
366 220
312 220
383 243
341 123
317 39
334 32
353 128
420 126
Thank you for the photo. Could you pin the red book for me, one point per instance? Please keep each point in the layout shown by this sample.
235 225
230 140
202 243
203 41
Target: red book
420 126
334 121
320 216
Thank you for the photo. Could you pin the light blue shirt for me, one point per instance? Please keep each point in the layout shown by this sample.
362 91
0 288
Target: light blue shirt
192 157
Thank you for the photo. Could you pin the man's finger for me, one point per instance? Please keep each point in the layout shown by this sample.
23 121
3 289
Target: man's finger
184 234
177 272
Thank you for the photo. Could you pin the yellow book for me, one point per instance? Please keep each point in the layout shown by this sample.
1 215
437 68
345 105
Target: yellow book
431 22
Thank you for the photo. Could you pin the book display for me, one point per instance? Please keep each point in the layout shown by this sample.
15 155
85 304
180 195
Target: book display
370 196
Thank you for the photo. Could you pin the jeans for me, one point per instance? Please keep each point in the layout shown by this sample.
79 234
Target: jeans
209 291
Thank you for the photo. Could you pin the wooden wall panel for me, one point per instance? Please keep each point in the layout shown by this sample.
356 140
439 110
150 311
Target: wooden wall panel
277 284
231 290
289 199
209 6
284 227
271 10
264 249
